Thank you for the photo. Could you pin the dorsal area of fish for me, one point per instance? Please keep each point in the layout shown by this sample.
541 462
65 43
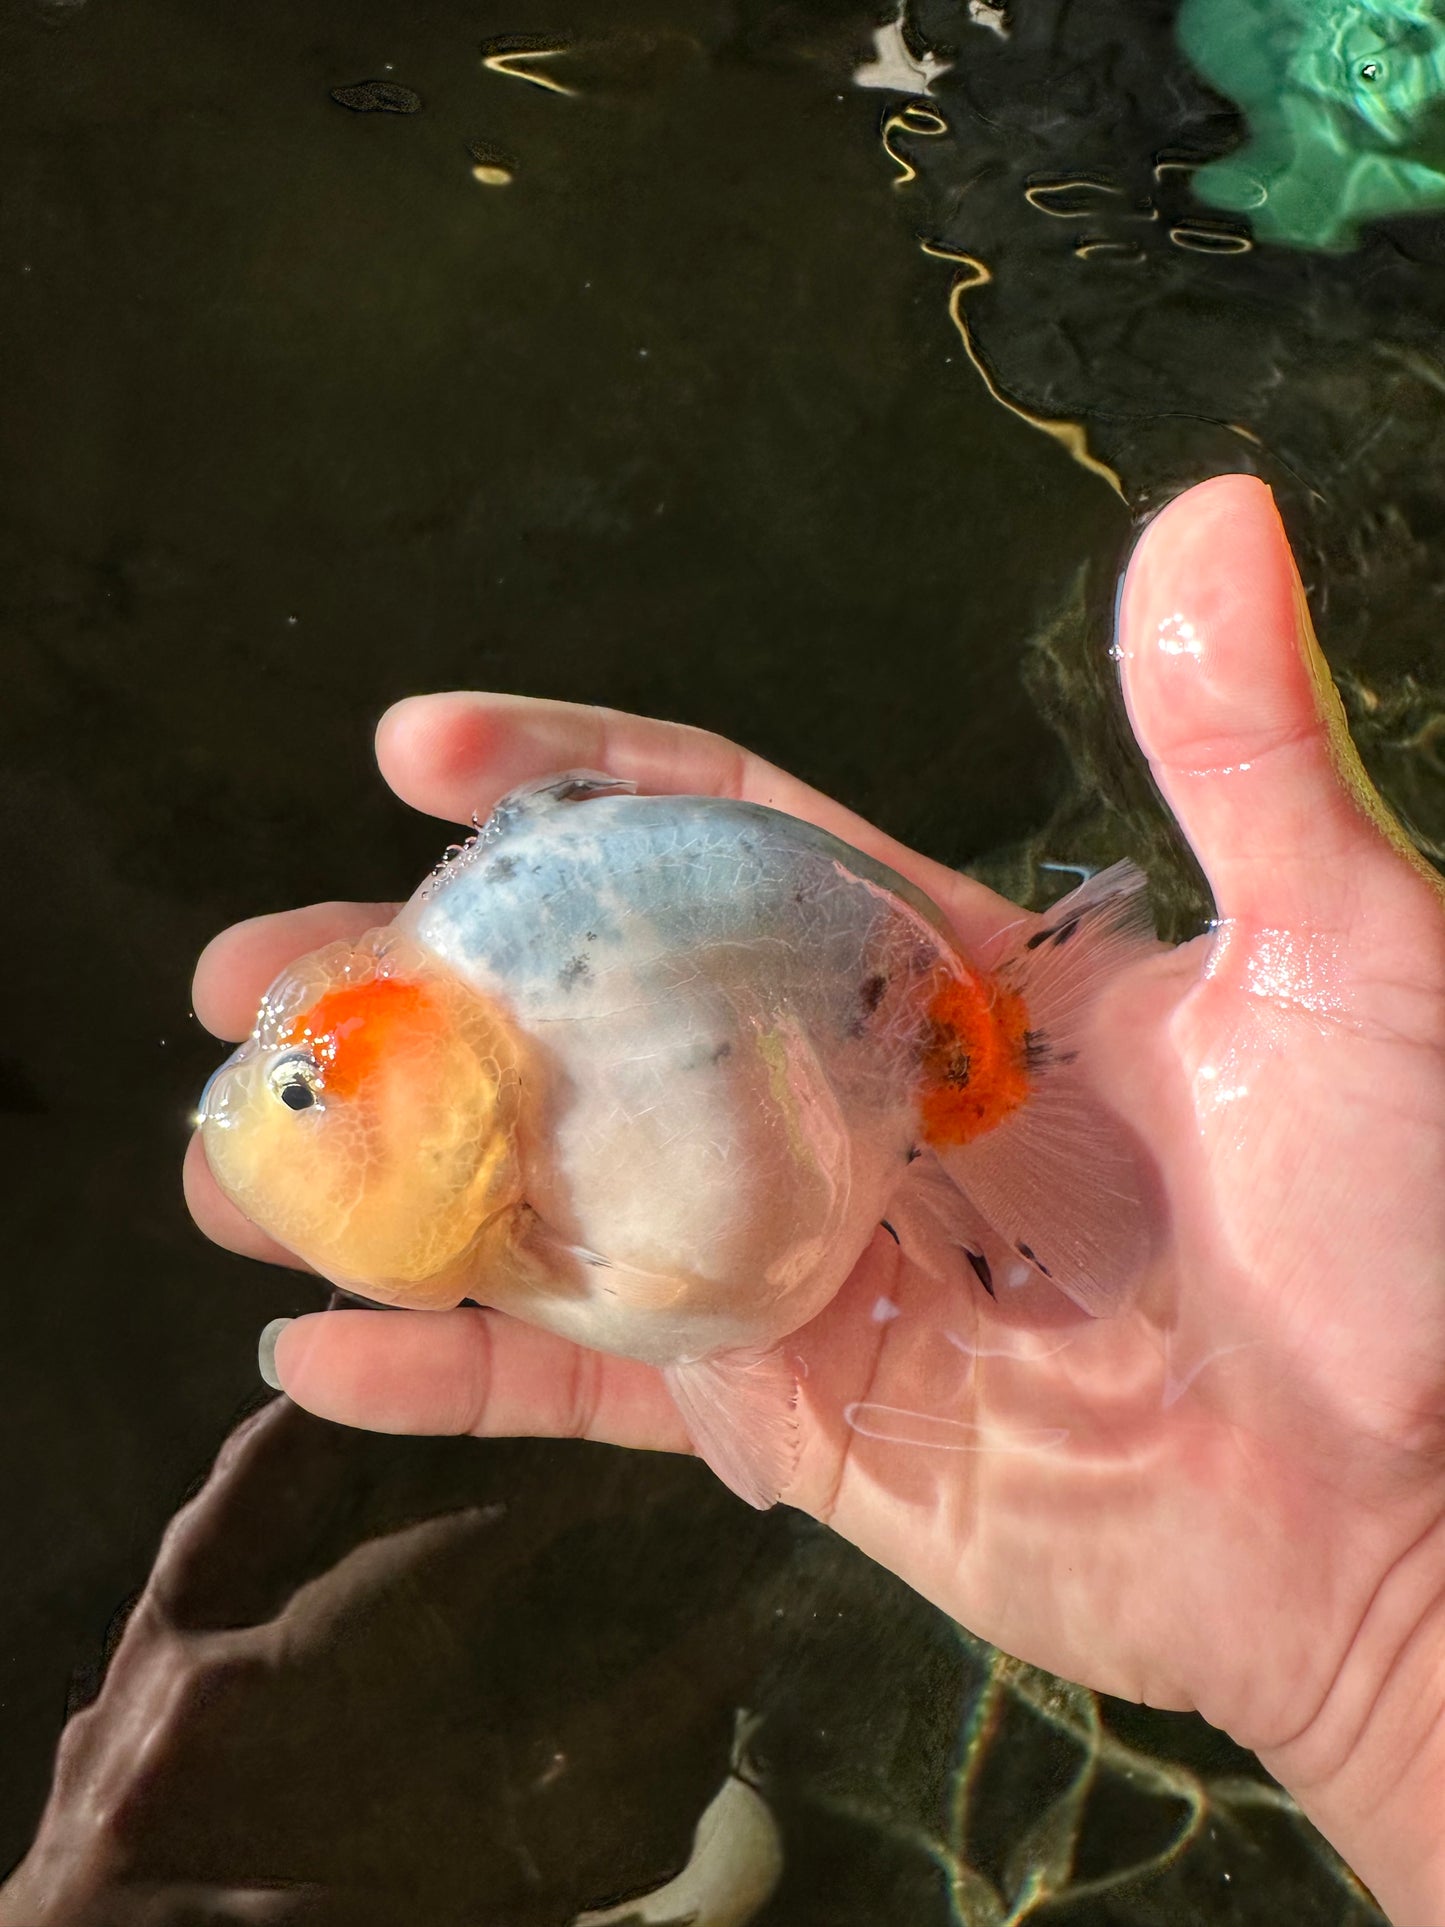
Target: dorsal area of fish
572 907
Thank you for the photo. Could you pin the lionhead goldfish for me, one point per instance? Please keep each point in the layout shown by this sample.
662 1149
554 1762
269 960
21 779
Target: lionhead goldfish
649 1071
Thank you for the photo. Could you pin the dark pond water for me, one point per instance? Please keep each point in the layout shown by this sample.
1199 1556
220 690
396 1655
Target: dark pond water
738 401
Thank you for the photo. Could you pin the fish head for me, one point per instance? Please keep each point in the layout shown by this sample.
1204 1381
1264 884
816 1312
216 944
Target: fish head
369 1121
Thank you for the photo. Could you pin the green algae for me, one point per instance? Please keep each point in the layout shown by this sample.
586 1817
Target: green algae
1346 110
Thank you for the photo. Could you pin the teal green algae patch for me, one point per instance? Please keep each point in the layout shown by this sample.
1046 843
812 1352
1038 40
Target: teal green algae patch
1346 111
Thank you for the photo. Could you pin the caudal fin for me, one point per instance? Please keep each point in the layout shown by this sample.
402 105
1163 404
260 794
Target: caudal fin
1059 1179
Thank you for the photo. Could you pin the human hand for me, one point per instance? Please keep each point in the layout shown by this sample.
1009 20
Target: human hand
1232 1496
349 1696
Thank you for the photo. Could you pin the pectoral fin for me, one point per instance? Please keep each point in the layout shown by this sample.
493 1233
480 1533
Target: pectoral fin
740 1410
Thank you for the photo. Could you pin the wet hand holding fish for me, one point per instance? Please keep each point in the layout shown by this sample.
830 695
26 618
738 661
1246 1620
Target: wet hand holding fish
648 1072
1228 1497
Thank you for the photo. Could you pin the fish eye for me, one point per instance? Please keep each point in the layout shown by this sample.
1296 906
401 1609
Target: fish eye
296 1080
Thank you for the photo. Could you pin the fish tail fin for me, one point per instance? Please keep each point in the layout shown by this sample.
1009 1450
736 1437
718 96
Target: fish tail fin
740 1410
1060 1178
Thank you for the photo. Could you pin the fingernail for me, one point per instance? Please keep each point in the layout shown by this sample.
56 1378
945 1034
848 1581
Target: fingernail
266 1351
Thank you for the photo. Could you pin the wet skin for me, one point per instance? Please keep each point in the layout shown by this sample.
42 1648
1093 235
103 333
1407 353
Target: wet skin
1229 1498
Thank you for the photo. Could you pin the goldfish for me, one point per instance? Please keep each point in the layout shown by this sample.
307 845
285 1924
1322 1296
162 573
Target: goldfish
651 1071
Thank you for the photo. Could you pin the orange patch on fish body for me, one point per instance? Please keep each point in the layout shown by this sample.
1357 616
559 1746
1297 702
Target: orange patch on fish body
975 1066
351 1030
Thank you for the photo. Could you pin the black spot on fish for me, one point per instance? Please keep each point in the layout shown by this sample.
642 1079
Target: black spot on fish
723 1050
1038 1051
1066 1057
957 1069
982 1269
1038 1264
572 971
889 1229
502 867
870 994
1059 934
915 1151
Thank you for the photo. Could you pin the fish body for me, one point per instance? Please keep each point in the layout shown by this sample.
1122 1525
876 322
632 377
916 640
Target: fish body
649 1072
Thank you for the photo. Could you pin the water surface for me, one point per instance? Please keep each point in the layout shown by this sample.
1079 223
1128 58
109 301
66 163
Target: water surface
751 396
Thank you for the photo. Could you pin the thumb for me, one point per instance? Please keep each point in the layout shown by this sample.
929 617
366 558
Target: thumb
1232 702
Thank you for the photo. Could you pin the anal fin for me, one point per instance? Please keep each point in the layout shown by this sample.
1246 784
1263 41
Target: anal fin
939 1227
740 1410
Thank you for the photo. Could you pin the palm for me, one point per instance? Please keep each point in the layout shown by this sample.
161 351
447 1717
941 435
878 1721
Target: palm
1152 1503
1159 1502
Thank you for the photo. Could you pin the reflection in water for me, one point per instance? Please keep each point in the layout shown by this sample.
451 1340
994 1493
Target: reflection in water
1343 100
920 121
490 165
378 1680
503 53
895 66
937 1432
1025 1350
1100 297
1176 1384
1191 1848
377 97
976 274
372 1691
733 1869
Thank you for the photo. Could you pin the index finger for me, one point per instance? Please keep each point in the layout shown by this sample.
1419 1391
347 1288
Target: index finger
238 963
454 755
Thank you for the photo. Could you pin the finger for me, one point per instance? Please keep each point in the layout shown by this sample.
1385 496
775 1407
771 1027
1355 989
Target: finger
470 1371
236 967
219 1219
1232 702
453 755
